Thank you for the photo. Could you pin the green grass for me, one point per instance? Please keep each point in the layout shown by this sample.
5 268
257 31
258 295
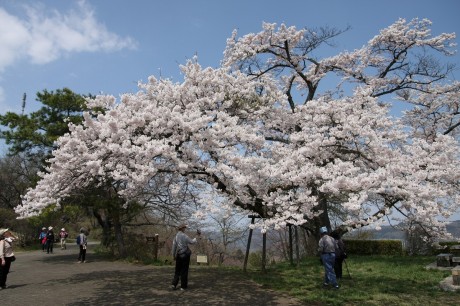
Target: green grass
375 280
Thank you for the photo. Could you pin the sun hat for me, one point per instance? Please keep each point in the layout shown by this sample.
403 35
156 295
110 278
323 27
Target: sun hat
323 230
3 231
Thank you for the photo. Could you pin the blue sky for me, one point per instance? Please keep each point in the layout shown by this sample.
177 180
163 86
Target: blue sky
109 45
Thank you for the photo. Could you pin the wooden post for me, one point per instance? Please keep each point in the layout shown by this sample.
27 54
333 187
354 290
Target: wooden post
264 251
297 252
249 244
155 247
290 244
154 241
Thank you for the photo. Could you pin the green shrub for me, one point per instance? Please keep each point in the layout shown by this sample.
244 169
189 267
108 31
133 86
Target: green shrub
374 247
255 259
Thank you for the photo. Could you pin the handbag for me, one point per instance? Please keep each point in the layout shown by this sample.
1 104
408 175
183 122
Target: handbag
13 258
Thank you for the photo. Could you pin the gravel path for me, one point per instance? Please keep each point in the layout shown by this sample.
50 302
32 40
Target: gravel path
37 278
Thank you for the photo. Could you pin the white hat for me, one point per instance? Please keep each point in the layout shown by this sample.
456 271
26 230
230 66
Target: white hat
323 230
4 230
62 229
43 228
50 228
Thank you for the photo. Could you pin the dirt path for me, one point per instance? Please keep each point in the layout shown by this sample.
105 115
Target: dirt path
37 278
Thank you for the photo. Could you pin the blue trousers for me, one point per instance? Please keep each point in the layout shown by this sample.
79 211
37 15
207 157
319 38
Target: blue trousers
328 263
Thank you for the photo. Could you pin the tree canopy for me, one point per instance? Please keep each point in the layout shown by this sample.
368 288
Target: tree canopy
35 133
263 133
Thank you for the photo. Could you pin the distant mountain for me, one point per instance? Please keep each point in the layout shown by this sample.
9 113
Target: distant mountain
389 232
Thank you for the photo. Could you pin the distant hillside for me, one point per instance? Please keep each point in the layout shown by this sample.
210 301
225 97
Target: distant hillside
388 232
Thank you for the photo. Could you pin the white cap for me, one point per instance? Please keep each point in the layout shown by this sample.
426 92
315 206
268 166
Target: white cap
62 229
50 228
323 230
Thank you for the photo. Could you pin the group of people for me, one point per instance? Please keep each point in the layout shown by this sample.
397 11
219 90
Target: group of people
47 239
332 253
331 248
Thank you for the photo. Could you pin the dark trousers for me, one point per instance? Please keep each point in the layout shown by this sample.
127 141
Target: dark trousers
49 246
4 270
338 267
82 254
181 271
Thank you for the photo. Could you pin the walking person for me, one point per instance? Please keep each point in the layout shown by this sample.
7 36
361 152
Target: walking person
6 255
63 235
326 247
42 238
181 253
340 254
49 240
82 241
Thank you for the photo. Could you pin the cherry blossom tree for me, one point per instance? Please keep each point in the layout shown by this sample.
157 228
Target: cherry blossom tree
262 133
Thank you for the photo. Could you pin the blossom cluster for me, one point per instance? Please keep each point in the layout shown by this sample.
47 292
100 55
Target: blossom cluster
239 130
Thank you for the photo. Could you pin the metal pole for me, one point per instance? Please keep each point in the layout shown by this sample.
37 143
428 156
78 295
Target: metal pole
346 265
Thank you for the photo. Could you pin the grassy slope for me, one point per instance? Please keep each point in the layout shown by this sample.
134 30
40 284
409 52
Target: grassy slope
375 280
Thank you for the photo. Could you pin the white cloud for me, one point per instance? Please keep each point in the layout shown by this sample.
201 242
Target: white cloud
13 36
46 35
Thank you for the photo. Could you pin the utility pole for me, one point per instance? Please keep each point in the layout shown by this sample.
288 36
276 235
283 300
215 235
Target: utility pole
23 103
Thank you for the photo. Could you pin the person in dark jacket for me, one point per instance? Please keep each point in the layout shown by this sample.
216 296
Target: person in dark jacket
83 245
49 240
340 254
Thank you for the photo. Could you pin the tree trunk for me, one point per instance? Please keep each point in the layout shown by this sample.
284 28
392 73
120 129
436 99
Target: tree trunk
105 224
119 237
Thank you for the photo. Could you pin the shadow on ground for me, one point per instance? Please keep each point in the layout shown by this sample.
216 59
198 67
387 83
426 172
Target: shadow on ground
39 279
151 287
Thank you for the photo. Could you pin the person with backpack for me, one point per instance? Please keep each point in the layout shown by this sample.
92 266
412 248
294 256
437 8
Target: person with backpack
63 235
49 240
82 242
181 254
340 254
326 248
42 238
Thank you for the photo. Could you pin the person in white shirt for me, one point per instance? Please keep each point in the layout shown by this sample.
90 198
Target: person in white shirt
6 255
63 235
